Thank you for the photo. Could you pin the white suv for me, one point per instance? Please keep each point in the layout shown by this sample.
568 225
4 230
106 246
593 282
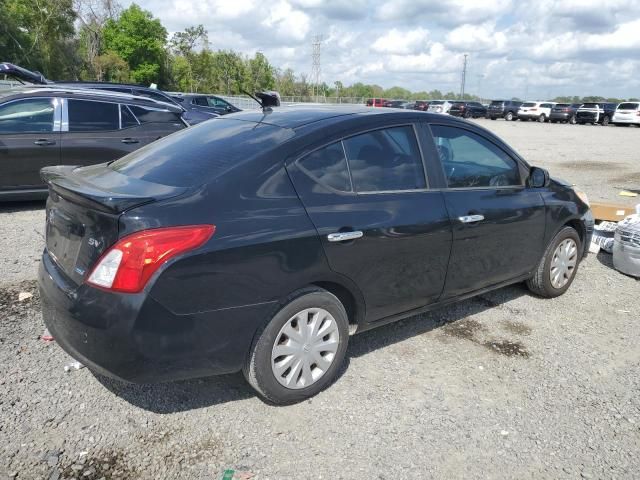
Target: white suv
539 111
439 106
627 113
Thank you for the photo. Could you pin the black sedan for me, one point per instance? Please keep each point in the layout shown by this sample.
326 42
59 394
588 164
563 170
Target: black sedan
468 110
261 240
41 126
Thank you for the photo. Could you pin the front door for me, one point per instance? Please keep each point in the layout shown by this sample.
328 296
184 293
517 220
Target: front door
29 140
379 224
498 223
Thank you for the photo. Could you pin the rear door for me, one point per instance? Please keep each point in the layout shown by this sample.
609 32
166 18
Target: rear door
378 222
498 223
29 140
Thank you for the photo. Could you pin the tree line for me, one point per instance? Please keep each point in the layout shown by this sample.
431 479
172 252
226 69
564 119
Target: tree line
98 40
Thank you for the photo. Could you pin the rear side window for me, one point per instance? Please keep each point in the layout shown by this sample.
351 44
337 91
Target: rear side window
200 153
89 116
149 114
127 118
32 115
529 104
546 105
328 165
385 160
470 161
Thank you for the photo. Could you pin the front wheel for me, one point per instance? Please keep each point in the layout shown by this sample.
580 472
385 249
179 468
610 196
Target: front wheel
509 116
299 352
542 118
605 121
558 266
572 120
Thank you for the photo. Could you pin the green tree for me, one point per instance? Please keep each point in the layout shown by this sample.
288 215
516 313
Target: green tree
259 74
140 40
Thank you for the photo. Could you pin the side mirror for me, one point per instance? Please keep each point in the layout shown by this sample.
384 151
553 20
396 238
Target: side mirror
538 178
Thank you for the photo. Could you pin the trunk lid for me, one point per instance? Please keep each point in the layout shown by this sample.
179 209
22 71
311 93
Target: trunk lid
83 210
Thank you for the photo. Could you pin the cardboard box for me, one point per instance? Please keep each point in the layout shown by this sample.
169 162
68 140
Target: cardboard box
611 211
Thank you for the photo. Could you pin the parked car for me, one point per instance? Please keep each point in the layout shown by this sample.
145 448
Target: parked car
51 125
627 113
468 110
439 106
507 109
375 102
266 256
421 105
595 113
564 112
540 111
192 117
206 103
395 103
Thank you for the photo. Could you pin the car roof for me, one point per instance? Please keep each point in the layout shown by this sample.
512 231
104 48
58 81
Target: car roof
296 116
85 93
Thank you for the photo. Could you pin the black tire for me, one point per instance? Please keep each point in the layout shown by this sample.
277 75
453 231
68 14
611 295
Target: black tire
606 120
540 282
553 121
542 118
572 120
508 116
492 118
466 114
257 369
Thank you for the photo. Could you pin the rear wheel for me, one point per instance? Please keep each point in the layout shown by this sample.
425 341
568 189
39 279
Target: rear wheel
492 118
606 120
467 114
572 120
508 116
299 352
542 118
558 266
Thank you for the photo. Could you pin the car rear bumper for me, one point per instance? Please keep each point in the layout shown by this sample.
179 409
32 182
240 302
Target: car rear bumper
560 116
528 115
631 121
132 337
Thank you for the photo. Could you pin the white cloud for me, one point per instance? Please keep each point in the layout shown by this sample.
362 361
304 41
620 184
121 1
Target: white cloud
401 41
476 38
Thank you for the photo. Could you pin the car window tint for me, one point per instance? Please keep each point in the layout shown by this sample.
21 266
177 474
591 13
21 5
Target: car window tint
328 166
149 114
154 95
628 106
89 116
386 159
201 101
128 119
33 115
469 160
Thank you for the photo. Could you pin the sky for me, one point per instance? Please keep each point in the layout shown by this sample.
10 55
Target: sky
532 49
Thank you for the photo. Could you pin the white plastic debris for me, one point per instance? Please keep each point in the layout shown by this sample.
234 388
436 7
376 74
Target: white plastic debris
22 296
75 365
603 234
626 247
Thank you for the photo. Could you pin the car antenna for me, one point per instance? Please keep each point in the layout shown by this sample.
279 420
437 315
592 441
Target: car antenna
256 99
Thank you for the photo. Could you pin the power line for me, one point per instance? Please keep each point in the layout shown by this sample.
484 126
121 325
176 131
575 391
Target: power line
316 68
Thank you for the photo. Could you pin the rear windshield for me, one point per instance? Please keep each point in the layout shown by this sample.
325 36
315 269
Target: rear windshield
628 106
497 103
590 105
561 105
529 104
437 102
200 153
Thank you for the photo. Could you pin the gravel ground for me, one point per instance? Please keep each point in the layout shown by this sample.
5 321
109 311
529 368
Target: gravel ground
504 385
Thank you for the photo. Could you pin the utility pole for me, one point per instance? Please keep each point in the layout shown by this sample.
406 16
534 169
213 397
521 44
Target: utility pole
315 63
464 76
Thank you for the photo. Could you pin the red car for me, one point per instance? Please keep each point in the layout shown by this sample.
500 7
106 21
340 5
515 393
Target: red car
375 102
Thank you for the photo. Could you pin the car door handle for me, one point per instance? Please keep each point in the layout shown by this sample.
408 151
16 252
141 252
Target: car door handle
44 142
130 140
471 218
344 236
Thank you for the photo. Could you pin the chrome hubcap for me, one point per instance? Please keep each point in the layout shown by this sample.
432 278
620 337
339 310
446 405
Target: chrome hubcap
305 348
563 264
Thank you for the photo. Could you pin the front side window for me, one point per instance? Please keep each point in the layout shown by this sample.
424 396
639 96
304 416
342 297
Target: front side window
470 161
385 160
34 115
90 116
200 101
328 165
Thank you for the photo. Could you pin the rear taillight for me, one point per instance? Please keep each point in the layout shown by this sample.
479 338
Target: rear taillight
129 264
533 109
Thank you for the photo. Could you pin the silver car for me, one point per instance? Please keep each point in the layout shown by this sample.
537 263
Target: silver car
439 106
